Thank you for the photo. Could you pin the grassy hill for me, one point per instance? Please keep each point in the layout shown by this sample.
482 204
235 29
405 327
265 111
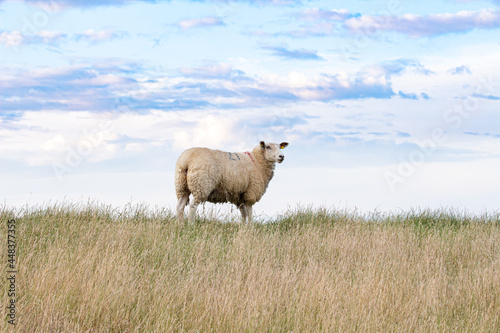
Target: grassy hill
93 268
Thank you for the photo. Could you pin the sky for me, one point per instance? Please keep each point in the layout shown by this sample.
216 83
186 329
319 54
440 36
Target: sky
387 105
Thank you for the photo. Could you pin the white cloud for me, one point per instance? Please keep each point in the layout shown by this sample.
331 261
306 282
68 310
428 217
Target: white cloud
209 21
209 131
47 37
431 25
94 36
103 79
312 14
44 138
16 38
57 143
11 38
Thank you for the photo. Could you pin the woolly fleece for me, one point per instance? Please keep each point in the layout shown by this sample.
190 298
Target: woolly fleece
217 176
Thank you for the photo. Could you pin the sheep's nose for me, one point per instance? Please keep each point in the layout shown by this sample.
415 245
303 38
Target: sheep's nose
282 157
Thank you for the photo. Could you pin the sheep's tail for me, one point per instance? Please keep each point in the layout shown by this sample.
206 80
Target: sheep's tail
181 170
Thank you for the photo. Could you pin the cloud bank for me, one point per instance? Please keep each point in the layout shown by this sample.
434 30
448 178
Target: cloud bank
424 26
323 22
115 85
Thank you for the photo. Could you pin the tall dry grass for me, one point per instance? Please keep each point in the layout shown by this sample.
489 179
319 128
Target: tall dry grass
98 269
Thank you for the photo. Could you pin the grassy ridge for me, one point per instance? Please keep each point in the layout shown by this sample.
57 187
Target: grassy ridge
99 269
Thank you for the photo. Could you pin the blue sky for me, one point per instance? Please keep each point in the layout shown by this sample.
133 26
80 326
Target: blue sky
387 105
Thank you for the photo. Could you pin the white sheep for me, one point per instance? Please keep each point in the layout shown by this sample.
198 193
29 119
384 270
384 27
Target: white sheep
217 176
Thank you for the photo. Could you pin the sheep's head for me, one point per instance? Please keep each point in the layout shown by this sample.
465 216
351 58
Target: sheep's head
272 151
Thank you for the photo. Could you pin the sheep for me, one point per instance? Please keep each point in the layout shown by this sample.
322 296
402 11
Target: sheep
217 176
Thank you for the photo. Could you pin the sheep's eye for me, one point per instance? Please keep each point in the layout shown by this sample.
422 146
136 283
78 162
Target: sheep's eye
268 147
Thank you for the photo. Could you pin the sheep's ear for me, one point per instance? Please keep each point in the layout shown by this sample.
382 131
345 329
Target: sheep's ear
283 145
262 145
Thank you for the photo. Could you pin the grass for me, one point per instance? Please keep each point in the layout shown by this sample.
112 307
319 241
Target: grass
92 268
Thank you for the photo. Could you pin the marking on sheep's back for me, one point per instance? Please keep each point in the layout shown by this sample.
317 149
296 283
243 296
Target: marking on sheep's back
231 156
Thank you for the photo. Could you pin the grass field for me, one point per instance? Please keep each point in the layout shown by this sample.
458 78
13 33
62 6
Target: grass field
92 268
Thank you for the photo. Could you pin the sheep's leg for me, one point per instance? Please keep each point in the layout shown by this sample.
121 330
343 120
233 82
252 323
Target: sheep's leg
180 207
249 213
243 210
192 210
